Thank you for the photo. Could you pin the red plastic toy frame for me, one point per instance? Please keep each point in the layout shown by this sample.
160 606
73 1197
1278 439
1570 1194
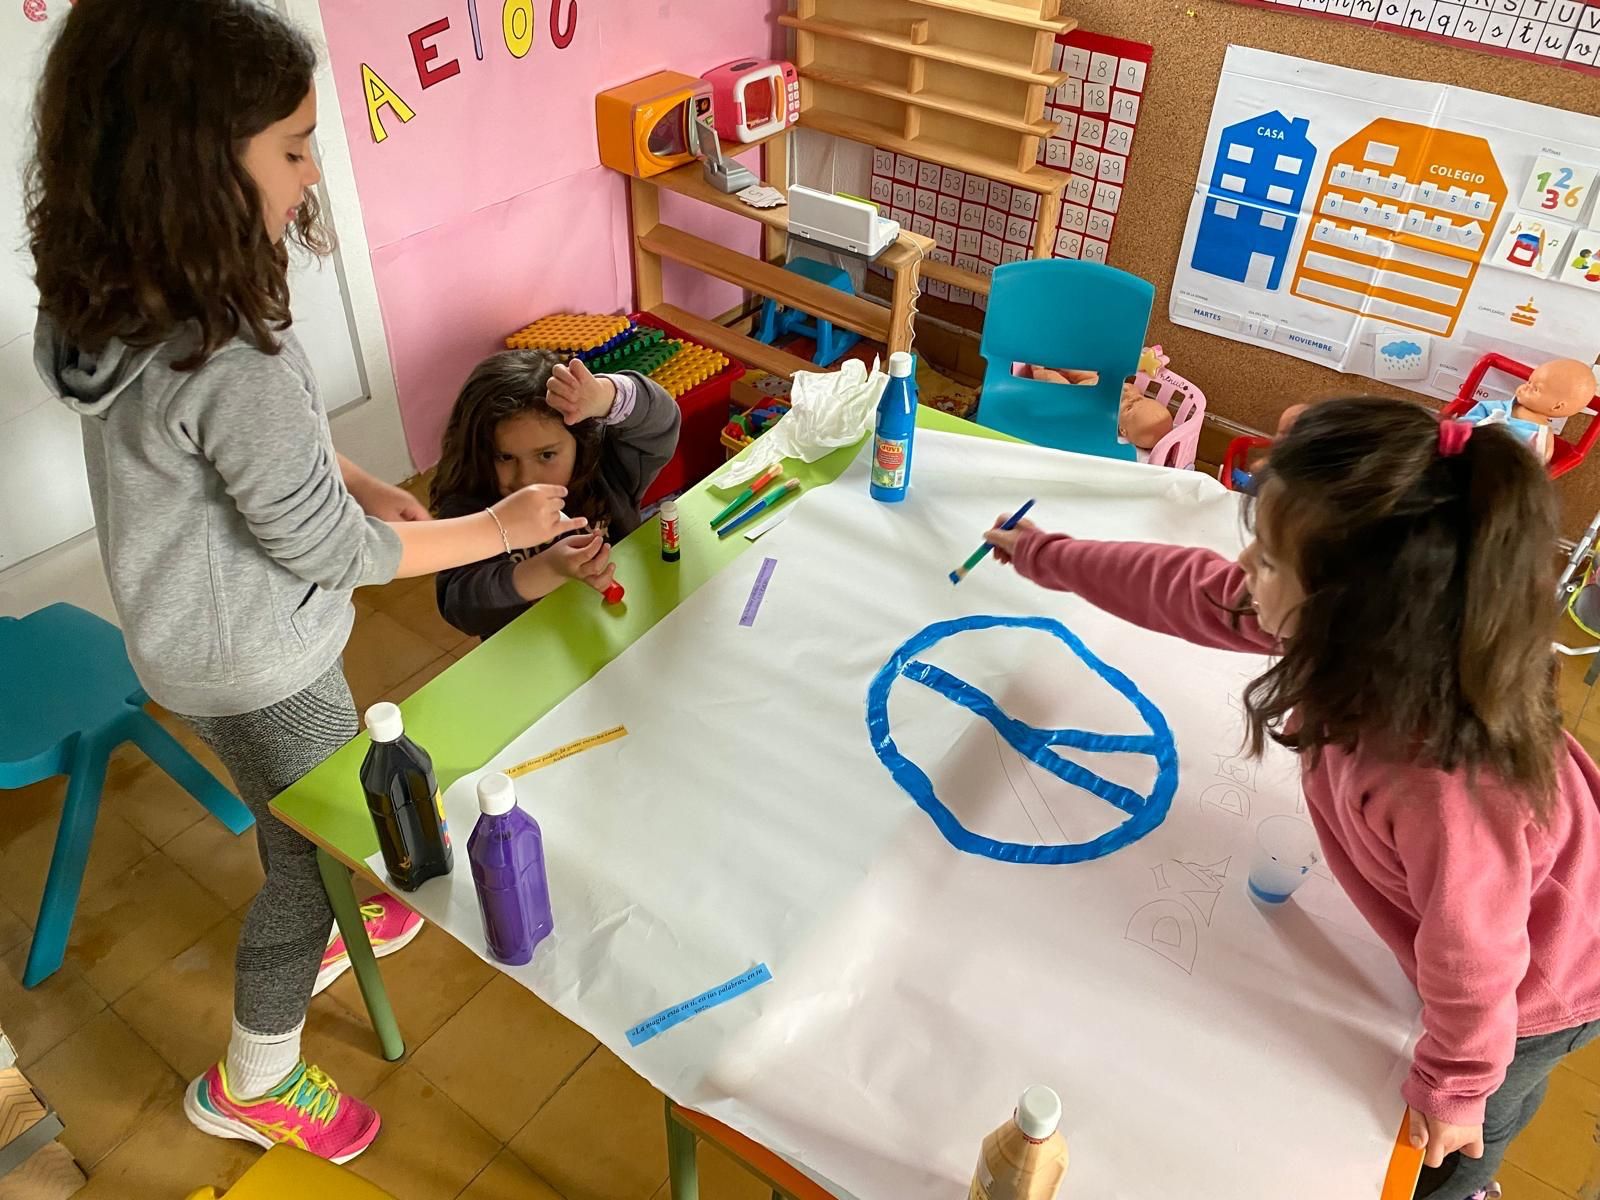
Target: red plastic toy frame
1567 455
1234 465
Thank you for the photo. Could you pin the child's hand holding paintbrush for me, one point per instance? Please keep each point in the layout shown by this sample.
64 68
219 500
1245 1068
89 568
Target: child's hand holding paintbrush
1004 537
1010 528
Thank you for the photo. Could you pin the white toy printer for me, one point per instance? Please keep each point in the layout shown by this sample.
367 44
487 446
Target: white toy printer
840 223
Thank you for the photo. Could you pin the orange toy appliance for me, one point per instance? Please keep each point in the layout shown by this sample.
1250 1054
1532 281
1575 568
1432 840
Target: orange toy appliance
754 98
648 126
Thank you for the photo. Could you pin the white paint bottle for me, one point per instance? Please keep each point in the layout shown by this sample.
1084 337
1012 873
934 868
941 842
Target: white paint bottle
1026 1158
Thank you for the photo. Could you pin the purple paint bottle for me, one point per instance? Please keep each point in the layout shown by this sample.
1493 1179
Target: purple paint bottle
506 850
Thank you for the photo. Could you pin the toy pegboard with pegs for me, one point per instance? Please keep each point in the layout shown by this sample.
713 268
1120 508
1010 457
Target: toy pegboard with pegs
978 224
689 367
578 332
644 351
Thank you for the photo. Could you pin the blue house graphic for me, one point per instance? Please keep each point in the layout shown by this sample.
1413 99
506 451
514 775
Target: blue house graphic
1262 171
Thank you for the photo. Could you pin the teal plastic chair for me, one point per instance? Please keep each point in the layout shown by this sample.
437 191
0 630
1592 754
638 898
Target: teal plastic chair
1062 313
68 698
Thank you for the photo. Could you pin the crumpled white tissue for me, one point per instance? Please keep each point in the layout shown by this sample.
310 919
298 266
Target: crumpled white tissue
826 411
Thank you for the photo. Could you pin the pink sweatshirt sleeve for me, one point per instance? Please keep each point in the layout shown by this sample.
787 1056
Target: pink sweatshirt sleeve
1176 590
1468 872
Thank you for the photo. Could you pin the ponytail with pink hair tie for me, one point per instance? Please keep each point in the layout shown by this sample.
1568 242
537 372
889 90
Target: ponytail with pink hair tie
1453 437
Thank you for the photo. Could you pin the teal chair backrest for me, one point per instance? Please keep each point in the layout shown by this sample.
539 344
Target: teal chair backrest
1062 313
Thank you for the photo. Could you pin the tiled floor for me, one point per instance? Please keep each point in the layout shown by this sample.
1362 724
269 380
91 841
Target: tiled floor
499 1097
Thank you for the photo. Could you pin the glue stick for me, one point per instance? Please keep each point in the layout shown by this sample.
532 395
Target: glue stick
669 531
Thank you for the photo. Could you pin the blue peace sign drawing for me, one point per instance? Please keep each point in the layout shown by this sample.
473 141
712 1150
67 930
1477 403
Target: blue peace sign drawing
1144 813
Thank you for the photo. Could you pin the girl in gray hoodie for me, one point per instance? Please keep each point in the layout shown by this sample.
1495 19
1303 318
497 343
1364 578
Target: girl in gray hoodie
173 161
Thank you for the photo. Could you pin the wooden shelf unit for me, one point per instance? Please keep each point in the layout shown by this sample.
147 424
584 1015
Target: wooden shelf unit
1028 13
957 276
1046 183
903 44
945 104
768 279
655 242
734 344
961 82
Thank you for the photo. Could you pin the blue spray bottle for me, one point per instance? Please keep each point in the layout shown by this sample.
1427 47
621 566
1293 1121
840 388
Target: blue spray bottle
897 425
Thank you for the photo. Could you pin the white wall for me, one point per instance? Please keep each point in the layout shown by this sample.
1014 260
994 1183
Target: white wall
44 498
69 573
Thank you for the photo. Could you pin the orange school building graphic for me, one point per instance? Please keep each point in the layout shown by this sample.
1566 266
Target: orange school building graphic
1401 225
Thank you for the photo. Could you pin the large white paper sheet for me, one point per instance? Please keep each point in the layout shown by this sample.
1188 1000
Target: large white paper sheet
1392 228
1198 1042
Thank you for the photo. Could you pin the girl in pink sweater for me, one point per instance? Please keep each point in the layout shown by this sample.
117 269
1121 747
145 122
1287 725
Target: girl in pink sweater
1402 575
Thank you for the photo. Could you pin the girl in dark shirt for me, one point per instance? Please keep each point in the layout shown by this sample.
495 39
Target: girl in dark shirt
529 416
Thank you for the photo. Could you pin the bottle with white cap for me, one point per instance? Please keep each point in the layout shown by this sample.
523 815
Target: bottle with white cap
896 427
1026 1158
403 798
506 850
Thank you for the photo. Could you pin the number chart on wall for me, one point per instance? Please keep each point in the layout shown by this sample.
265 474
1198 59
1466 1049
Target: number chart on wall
980 223
1391 228
1560 32
1098 108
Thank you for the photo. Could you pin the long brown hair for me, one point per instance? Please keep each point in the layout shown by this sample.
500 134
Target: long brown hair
510 384
1429 594
143 221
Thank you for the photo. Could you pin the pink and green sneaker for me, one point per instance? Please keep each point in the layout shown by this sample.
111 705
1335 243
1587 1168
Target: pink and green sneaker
390 926
307 1110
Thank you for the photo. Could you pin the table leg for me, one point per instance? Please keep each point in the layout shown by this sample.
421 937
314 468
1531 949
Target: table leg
683 1175
347 913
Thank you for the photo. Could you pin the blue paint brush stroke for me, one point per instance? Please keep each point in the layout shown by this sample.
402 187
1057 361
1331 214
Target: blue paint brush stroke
679 1013
1037 745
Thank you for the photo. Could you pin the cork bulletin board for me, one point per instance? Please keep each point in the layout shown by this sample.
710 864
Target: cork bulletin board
1246 384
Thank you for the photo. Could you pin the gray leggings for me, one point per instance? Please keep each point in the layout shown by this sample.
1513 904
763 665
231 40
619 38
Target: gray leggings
1509 1110
286 931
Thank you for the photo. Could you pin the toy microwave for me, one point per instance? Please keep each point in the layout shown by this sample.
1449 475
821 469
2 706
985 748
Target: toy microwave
649 126
754 98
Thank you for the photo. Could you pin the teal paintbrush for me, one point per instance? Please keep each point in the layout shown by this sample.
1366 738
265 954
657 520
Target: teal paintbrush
982 551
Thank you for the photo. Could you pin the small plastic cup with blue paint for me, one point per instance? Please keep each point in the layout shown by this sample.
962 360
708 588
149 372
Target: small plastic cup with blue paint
1286 850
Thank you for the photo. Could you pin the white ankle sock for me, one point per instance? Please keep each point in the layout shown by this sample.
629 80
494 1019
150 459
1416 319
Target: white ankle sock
258 1062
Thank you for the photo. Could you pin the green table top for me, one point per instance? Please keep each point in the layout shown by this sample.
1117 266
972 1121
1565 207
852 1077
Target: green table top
471 711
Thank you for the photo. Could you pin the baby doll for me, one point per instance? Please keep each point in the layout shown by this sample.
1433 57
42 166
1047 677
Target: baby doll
1144 421
1140 420
1554 390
